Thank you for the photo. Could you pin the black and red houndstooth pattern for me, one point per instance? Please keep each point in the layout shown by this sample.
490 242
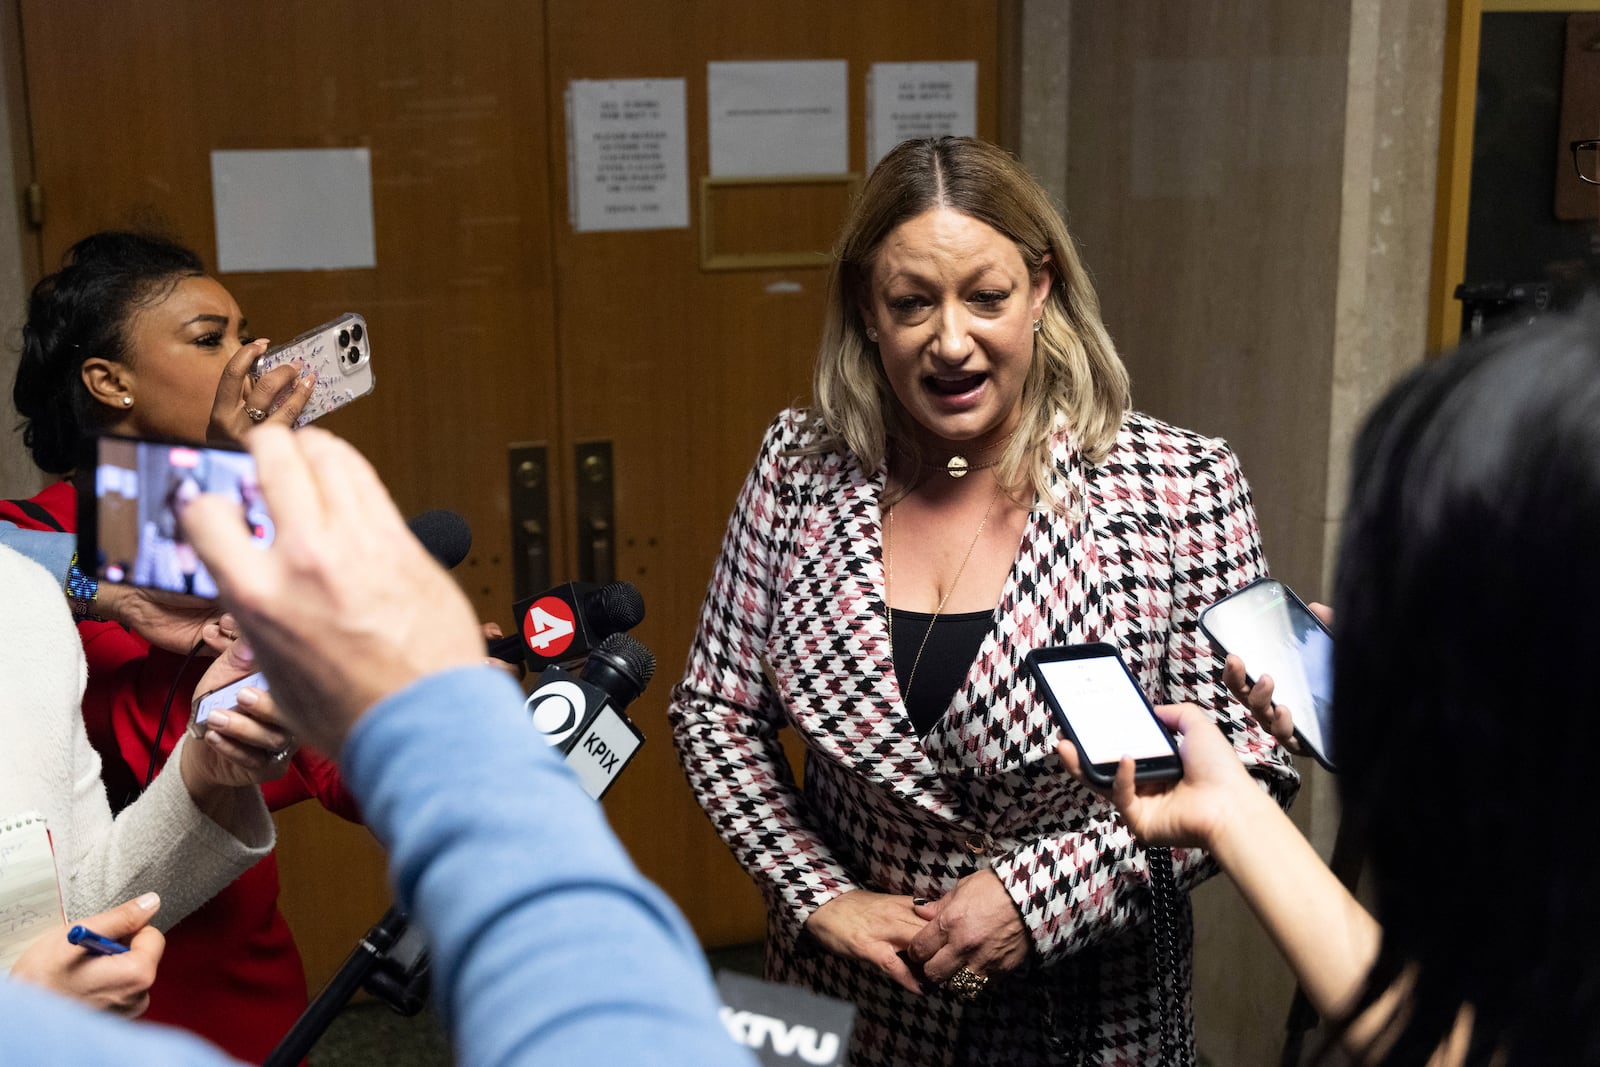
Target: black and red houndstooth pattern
1159 530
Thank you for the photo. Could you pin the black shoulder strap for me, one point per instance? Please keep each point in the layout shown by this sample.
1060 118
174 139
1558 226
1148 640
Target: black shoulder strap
38 514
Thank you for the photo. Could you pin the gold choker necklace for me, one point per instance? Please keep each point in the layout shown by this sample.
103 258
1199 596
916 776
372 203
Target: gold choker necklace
958 466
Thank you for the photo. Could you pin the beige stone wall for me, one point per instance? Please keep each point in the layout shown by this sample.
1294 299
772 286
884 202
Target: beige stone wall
1252 185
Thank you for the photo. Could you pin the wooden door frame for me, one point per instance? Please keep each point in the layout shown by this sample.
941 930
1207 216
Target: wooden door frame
13 72
1463 41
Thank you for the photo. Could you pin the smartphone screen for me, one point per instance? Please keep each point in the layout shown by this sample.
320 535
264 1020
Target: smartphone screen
226 697
129 521
1274 633
1101 709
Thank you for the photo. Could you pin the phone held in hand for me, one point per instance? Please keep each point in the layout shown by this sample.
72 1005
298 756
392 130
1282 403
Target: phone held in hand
339 352
1274 633
222 699
129 512
1101 709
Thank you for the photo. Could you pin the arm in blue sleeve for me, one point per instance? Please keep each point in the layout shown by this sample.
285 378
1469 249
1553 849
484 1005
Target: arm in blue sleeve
548 945
51 550
42 1027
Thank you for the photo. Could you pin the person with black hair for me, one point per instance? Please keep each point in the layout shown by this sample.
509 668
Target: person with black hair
1464 722
132 336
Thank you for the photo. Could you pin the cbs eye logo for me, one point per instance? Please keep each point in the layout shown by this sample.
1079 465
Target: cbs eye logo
557 708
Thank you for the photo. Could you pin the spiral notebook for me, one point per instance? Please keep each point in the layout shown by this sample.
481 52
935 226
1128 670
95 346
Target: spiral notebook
30 892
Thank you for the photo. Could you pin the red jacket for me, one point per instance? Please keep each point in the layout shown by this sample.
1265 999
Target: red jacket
231 971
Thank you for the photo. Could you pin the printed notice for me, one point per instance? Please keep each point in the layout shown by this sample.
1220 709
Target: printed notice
779 118
907 100
293 209
627 155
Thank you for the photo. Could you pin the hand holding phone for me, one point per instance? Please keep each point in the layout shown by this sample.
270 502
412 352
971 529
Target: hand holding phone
1215 789
130 528
339 353
1275 634
223 699
1102 711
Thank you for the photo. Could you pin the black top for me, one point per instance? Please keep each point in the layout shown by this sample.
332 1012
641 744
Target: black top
946 659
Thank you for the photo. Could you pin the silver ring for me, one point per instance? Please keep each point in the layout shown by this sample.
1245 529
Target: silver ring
283 754
256 414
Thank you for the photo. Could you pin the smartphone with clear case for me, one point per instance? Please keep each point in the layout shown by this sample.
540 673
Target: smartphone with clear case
339 352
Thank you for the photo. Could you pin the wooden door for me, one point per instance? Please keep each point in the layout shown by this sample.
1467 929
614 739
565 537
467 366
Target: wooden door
493 322
682 369
128 98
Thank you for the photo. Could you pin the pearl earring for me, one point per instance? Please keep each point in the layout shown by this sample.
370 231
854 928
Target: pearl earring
127 401
872 334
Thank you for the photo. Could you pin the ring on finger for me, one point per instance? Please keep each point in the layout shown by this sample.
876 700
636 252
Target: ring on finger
283 754
967 983
256 414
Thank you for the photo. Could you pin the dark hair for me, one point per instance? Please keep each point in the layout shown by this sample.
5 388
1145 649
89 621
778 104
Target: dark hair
1468 619
78 312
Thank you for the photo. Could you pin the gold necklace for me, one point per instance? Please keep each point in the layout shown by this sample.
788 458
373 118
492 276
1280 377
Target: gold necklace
888 580
958 466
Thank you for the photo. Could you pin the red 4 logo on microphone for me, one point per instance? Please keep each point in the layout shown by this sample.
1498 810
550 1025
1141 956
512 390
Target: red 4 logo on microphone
548 627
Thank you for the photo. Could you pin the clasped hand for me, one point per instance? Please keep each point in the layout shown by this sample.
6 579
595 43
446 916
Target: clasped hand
920 945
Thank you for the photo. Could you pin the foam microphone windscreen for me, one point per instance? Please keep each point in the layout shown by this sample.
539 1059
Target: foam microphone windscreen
445 535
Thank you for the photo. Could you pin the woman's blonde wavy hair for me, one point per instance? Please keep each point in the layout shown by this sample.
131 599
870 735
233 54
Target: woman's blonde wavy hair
1076 373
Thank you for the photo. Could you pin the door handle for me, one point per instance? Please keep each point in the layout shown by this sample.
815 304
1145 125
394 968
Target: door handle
596 498
530 519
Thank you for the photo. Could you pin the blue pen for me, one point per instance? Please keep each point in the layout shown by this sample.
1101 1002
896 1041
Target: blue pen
90 941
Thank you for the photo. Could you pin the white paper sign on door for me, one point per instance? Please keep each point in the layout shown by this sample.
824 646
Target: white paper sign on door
908 100
779 118
293 209
627 155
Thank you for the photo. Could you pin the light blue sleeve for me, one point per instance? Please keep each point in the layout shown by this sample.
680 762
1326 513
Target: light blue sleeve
548 945
40 1027
51 550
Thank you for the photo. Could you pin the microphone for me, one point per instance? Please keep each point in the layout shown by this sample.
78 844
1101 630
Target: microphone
582 715
567 622
445 535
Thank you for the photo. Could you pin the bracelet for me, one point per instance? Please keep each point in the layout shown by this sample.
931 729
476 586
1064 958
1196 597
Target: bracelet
82 591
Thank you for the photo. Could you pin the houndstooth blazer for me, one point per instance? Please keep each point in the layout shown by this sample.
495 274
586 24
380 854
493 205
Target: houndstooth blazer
1160 529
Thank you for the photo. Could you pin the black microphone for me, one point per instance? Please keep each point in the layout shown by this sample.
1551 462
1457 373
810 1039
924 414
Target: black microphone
445 535
582 715
565 623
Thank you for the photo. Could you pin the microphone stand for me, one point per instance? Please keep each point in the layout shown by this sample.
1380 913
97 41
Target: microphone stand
390 962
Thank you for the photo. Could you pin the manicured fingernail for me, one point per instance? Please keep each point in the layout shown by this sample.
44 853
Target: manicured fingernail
218 718
249 698
148 901
213 739
919 901
243 653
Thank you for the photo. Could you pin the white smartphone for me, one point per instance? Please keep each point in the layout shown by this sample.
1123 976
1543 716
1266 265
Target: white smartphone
1273 632
1101 709
340 352
222 699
